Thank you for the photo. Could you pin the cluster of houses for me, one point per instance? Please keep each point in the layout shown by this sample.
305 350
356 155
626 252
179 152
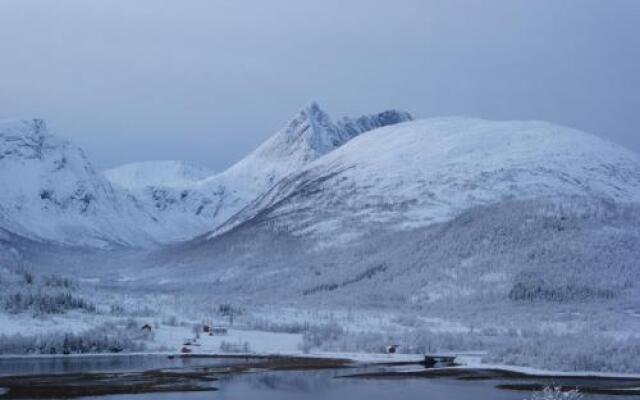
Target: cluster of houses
430 360
205 328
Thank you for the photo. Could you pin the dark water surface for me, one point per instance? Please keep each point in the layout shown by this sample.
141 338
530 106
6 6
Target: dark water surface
102 363
274 385
319 385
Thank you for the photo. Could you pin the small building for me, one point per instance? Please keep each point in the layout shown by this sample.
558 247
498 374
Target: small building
206 328
439 360
218 331
146 328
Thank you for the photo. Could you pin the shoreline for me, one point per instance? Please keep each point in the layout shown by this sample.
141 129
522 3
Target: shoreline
372 359
203 377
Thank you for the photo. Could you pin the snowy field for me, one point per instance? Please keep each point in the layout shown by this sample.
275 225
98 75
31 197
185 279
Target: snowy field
568 340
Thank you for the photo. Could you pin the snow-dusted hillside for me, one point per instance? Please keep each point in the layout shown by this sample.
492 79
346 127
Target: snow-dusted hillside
434 212
51 192
192 206
330 181
421 172
157 173
308 136
569 249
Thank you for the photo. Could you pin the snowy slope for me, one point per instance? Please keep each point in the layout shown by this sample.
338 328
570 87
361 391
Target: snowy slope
157 173
428 171
309 135
567 249
51 192
316 178
194 207
451 210
414 212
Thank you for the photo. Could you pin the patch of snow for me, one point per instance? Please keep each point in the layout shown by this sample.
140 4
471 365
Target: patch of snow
169 173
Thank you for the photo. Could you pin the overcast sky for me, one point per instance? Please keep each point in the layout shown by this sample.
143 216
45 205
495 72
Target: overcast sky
207 81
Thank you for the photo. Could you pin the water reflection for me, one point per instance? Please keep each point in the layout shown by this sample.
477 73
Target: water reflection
272 385
321 385
317 385
106 363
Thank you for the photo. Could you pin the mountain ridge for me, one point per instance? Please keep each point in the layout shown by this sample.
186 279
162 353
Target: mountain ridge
400 173
429 170
203 205
52 192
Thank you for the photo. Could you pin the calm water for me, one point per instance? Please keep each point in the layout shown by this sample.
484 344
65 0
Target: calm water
320 385
278 385
106 363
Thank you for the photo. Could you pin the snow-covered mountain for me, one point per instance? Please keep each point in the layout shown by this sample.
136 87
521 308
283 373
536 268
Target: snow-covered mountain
329 181
380 209
422 172
567 249
195 206
169 173
50 192
308 136
462 210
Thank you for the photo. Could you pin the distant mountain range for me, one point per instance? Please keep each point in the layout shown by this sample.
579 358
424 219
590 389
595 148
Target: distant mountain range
54 194
377 209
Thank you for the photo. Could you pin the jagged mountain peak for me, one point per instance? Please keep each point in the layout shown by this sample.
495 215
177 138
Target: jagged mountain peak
312 111
25 138
320 134
51 192
310 133
354 127
26 126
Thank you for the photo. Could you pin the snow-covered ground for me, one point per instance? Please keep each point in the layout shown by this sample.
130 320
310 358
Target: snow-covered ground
25 324
357 334
170 173
169 339
259 342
